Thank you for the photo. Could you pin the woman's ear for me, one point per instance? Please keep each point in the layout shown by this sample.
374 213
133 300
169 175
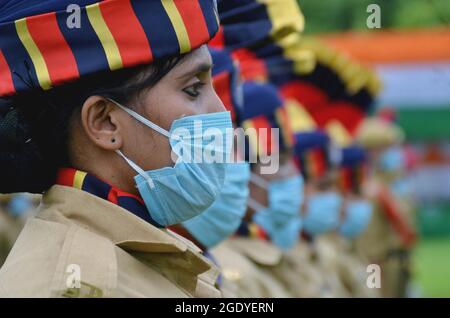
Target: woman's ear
100 121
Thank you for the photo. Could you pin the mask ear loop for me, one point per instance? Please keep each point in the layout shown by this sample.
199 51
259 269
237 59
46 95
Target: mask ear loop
255 205
260 182
137 169
146 122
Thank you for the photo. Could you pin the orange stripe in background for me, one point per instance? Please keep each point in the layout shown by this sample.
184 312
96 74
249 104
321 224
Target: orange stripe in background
194 21
394 46
6 81
58 56
134 48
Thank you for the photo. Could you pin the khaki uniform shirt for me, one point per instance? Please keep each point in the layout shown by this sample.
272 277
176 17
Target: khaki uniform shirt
300 273
9 231
350 267
381 245
246 265
79 245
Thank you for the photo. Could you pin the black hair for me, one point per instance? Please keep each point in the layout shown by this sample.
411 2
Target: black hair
35 125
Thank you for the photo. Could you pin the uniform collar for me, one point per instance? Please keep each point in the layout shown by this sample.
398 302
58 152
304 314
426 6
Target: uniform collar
109 220
81 180
251 230
253 241
259 251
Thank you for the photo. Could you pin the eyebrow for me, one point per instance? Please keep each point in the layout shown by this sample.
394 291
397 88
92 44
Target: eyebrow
197 69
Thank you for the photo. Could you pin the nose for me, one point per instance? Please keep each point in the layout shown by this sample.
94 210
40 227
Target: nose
215 104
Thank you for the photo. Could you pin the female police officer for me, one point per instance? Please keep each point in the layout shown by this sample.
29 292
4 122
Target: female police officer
99 114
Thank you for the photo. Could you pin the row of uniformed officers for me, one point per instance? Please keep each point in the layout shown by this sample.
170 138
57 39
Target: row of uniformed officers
107 122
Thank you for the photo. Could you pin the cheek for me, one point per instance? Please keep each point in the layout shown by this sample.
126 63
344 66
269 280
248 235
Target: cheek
147 148
152 149
163 106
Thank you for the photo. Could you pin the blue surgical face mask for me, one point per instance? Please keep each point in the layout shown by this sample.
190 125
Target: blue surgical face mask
392 160
281 219
283 235
19 205
223 218
402 187
322 213
357 217
176 194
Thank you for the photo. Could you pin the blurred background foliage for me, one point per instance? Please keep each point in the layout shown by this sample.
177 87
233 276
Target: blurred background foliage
341 15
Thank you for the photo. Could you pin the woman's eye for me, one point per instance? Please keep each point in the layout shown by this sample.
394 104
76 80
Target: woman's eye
194 90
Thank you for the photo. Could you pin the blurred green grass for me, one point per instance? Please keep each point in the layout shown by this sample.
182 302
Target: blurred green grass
432 266
343 15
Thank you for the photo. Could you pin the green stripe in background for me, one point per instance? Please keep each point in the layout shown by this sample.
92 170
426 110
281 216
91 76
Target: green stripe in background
425 124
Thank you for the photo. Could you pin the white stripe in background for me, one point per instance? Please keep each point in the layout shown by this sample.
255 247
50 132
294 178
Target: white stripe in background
415 85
